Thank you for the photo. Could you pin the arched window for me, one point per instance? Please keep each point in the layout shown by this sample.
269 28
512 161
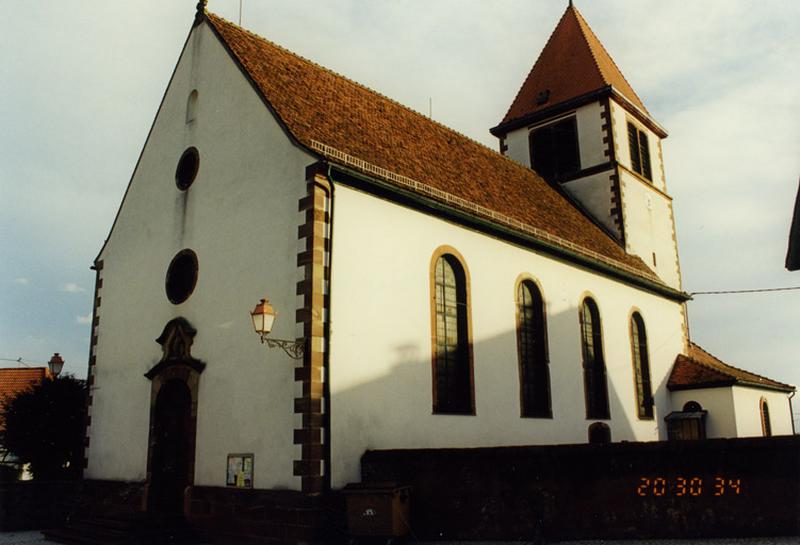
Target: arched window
641 367
766 427
594 367
599 434
191 106
452 366
534 375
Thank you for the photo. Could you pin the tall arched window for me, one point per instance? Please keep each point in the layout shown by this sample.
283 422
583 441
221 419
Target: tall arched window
641 367
534 375
452 366
594 367
766 426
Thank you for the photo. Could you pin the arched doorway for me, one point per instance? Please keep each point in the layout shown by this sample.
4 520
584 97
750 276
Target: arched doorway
172 448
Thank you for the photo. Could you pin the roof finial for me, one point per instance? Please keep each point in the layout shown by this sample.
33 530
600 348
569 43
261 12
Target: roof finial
201 11
570 3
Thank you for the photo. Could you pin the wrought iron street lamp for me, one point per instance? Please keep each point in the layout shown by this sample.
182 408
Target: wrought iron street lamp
263 317
55 365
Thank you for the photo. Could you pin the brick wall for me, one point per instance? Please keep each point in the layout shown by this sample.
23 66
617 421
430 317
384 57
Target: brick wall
596 491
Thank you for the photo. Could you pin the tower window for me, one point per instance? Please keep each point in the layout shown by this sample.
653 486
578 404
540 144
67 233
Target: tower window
594 367
532 345
640 151
452 367
554 150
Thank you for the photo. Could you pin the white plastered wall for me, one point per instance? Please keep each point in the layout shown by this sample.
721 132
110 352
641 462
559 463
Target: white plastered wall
646 208
380 368
649 227
719 402
240 217
748 411
594 193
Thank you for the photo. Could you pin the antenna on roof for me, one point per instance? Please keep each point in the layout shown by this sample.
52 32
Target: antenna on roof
570 3
240 12
430 107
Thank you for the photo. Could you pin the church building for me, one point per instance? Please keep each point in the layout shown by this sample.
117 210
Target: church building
420 289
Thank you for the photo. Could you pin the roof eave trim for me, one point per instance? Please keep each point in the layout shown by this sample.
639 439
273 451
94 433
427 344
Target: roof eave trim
701 385
483 224
730 383
507 126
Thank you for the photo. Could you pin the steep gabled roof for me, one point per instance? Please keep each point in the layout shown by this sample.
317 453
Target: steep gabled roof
349 123
573 63
699 369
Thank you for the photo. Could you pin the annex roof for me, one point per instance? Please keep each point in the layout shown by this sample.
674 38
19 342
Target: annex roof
572 63
352 125
699 369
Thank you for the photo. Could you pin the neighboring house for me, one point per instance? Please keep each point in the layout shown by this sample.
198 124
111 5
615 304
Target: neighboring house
12 382
793 252
446 295
16 380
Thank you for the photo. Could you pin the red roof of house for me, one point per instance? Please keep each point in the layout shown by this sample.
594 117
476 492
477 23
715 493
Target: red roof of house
572 63
699 369
13 381
352 125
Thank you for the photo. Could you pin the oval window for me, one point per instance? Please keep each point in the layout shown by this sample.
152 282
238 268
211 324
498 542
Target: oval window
181 276
187 169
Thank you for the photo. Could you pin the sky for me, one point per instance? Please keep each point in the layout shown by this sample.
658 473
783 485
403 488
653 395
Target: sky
80 83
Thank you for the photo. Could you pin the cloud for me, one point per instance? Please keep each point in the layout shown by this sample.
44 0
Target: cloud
22 281
71 287
84 320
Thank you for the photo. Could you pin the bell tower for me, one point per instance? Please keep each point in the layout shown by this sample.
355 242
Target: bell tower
578 123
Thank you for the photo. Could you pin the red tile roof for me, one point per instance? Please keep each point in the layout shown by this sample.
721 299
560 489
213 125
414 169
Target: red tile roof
572 63
13 381
350 124
699 369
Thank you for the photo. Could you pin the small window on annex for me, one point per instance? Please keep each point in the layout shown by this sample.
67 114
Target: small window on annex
534 374
766 426
554 150
594 367
452 365
641 367
640 151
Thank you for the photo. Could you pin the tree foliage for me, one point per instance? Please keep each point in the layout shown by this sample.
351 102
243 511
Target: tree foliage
44 426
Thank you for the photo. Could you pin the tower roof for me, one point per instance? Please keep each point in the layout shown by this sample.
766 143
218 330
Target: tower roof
573 63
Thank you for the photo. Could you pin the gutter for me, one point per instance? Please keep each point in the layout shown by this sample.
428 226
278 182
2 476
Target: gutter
395 192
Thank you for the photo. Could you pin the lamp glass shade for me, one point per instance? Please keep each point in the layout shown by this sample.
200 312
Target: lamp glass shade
263 317
55 364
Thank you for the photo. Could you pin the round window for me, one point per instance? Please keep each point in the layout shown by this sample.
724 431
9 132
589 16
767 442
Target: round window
187 168
181 276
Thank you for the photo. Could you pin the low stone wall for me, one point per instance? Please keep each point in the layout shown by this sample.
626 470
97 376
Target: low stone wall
34 505
263 516
713 488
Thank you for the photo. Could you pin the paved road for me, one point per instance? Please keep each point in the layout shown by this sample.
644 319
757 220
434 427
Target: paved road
31 538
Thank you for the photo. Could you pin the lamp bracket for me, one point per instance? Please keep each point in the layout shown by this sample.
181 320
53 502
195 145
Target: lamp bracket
294 349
